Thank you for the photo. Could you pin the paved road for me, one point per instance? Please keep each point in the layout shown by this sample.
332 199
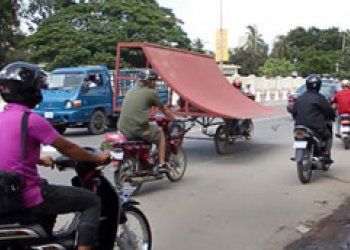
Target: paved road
249 199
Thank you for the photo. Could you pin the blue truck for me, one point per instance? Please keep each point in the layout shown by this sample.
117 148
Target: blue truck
86 97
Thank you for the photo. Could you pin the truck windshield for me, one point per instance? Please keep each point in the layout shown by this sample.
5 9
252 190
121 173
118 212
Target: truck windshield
65 81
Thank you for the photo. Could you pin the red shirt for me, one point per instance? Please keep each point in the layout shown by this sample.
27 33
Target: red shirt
342 99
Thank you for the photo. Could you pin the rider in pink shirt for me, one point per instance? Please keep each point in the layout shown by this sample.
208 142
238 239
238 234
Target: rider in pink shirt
20 87
40 132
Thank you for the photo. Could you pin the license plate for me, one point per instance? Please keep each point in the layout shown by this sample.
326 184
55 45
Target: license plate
344 129
299 144
48 115
117 155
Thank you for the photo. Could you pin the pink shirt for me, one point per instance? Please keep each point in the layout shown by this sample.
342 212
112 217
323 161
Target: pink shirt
39 132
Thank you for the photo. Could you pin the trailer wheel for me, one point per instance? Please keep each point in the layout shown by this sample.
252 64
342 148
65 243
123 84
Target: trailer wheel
221 140
98 122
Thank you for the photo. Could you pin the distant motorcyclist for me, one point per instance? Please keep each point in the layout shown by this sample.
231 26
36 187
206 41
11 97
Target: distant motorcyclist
312 110
20 87
238 124
342 102
237 83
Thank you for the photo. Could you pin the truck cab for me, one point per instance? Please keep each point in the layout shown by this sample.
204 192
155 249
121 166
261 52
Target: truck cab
78 97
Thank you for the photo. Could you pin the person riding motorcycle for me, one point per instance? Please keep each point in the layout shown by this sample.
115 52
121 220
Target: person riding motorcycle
237 124
342 102
136 111
312 110
20 87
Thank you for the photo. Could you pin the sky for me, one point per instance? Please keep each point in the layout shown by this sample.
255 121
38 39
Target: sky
272 17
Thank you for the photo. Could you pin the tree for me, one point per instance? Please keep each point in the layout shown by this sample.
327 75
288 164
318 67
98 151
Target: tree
87 33
313 50
252 54
10 34
276 67
34 12
317 61
281 48
197 46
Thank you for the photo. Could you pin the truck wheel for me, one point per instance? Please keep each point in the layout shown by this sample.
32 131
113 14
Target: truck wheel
97 123
60 129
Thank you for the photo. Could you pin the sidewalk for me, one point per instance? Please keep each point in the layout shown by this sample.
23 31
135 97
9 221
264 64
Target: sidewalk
333 232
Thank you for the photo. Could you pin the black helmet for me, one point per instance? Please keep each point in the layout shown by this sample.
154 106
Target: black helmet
21 82
313 83
147 75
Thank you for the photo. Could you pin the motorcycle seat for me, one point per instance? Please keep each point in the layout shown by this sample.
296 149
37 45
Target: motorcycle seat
120 138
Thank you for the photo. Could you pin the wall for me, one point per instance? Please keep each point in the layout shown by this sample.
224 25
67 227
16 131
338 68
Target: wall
272 89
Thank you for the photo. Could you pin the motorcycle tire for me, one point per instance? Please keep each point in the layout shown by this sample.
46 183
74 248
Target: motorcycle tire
346 142
125 170
305 168
178 165
325 166
136 232
221 140
249 131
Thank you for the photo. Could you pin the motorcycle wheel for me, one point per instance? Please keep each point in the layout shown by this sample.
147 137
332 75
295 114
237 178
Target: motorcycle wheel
123 173
135 233
221 140
178 165
305 168
325 166
249 130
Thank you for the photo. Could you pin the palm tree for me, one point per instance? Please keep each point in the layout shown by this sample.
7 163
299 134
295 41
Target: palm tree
255 48
281 48
255 43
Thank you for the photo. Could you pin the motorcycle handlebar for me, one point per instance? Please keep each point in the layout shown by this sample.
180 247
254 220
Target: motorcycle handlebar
64 162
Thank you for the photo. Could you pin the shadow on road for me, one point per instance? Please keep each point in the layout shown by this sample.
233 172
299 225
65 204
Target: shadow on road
239 151
162 185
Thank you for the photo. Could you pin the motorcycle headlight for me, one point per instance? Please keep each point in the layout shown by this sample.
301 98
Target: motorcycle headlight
69 104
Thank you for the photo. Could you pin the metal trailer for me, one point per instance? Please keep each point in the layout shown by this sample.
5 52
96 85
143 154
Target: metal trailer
196 88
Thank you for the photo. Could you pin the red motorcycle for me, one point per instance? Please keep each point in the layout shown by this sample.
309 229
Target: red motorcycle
136 158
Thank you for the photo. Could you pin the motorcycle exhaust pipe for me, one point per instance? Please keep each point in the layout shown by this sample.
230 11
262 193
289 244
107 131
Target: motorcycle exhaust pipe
140 180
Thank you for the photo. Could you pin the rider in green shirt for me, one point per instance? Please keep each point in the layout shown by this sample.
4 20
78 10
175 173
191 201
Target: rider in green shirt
136 110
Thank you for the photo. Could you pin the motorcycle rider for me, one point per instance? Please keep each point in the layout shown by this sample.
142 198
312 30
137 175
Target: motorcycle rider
20 87
237 124
342 102
312 110
137 108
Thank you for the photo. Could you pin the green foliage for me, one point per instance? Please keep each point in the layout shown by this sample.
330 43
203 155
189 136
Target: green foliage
311 60
198 46
10 34
313 50
88 33
252 55
276 67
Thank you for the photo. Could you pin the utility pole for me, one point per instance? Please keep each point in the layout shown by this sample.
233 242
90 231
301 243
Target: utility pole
221 39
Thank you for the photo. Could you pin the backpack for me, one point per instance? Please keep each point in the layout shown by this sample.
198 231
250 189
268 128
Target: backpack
11 183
